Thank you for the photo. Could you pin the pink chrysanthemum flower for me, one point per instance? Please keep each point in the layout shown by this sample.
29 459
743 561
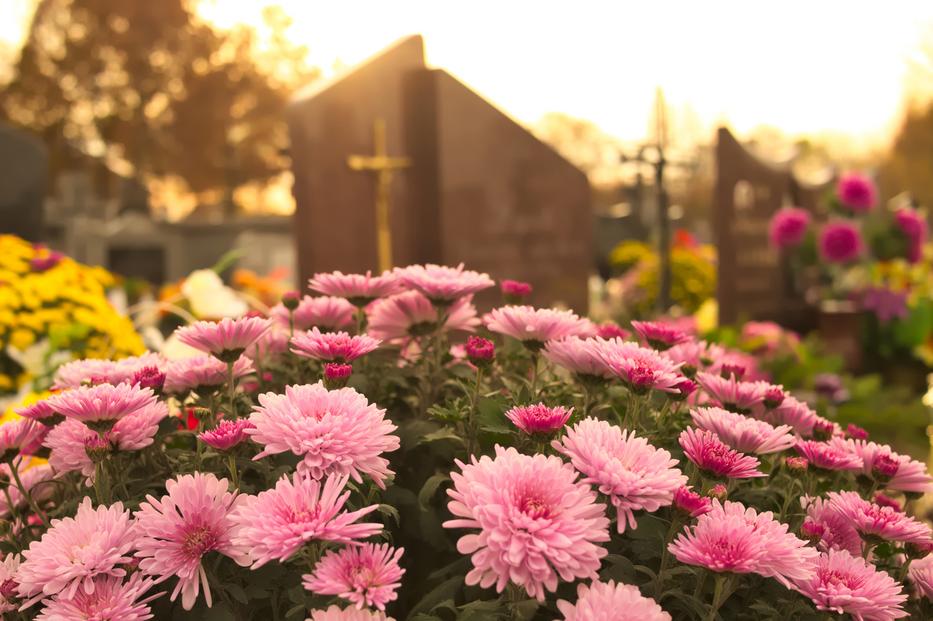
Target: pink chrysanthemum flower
692 503
442 284
227 434
8 582
539 418
187 374
658 334
788 227
177 530
325 312
111 600
410 314
905 474
366 575
840 241
578 355
277 522
333 431
610 330
332 346
40 411
828 457
830 529
359 289
856 191
641 369
33 479
742 433
608 600
336 613
733 394
515 288
797 414
847 584
920 573
914 228
633 474
534 326
75 550
693 356
20 436
873 520
711 454
536 523
226 339
96 371
101 406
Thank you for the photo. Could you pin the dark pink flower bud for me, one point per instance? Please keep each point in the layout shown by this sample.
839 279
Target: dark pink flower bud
774 397
718 491
884 467
886 501
732 370
337 374
797 463
691 503
480 350
611 330
855 432
291 300
149 377
823 429
515 290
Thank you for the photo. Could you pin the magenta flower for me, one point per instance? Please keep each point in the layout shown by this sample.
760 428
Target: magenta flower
148 377
830 529
537 524
226 339
333 431
870 519
226 434
920 574
844 583
101 406
903 473
202 372
693 356
633 474
332 346
539 418
442 284
788 227
366 575
277 522
610 330
709 453
111 599
75 550
732 394
691 503
8 584
914 228
359 289
20 436
827 456
578 355
411 314
534 326
641 369
327 313
840 242
608 600
797 414
480 350
857 192
177 530
336 613
515 289
336 374
742 433
658 334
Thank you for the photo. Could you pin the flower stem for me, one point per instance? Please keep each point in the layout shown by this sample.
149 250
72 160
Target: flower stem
26 495
666 555
231 465
101 483
471 418
232 388
534 376
720 595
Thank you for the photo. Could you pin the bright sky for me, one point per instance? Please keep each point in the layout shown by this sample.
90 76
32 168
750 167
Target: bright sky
803 66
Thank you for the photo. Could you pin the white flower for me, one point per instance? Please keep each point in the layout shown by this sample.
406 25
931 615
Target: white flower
210 298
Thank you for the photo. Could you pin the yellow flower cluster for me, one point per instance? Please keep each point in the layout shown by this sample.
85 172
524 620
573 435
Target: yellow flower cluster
47 296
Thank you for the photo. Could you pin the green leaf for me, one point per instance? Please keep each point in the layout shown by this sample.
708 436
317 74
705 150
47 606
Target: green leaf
441 435
390 511
429 489
445 590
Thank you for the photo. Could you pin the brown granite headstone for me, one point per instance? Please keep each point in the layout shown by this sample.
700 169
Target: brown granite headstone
753 280
480 189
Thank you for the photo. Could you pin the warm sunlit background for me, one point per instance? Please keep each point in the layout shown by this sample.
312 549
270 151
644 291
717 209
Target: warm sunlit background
840 75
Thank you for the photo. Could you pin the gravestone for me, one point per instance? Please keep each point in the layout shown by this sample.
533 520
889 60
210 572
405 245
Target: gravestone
23 174
477 188
754 282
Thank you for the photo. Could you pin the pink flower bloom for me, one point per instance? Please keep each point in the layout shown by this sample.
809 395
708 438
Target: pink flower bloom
914 228
536 523
848 584
828 457
75 550
733 394
693 356
333 431
608 600
609 330
840 242
641 369
277 522
8 583
797 414
177 530
332 346
870 519
788 227
327 313
658 334
227 434
20 436
480 350
39 411
742 433
409 314
148 377
187 374
515 289
226 339
904 474
31 477
367 575
856 192
692 503
830 529
336 613
920 573
112 599
635 475
103 405
534 326
539 418
855 432
440 283
359 289
578 355
95 371
709 453
884 500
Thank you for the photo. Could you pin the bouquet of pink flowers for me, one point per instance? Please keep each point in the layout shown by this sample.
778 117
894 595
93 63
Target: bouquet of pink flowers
381 450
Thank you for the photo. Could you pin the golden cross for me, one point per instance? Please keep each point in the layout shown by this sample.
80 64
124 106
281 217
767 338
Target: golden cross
383 165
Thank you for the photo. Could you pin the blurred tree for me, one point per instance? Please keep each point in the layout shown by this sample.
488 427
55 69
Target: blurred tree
908 164
157 92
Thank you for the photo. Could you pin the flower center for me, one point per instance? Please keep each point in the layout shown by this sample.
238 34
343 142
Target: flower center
534 507
199 541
